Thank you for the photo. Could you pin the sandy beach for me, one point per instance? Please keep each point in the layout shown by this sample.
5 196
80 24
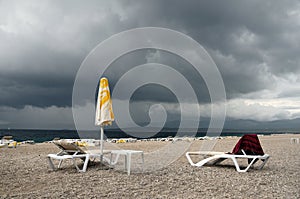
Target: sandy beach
25 174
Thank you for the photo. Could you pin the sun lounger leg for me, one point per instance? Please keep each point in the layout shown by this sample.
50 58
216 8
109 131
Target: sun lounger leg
251 163
60 163
51 163
111 162
106 159
128 163
86 162
237 165
75 164
187 155
263 163
143 161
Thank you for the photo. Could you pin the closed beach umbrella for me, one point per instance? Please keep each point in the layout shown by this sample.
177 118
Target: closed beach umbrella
104 112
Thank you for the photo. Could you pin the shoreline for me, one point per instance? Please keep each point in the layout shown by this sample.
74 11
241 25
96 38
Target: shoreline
52 134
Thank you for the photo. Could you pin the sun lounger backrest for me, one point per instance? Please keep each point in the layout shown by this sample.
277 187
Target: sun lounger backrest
68 146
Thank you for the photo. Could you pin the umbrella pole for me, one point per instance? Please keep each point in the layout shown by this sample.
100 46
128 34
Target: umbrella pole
101 143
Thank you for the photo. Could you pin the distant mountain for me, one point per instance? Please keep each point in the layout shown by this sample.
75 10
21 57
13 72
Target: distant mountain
293 124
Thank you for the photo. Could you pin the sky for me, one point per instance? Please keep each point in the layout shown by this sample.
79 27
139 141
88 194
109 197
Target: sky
255 45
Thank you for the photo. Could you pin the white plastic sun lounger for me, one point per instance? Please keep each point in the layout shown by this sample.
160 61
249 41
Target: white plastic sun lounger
86 158
71 151
217 157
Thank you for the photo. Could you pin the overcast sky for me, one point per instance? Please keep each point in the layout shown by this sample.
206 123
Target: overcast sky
255 45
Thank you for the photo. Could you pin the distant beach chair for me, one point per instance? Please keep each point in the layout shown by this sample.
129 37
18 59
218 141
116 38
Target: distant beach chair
69 150
12 144
294 140
248 147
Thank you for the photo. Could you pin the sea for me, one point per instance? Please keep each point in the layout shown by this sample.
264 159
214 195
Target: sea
42 135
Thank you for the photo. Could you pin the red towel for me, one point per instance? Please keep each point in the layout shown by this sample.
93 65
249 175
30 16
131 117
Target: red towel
250 144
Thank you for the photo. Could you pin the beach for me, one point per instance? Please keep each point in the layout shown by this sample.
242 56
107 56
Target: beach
25 173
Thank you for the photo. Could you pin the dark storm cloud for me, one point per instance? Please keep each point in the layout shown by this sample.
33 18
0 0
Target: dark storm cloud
42 44
48 53
157 93
253 34
42 47
40 83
